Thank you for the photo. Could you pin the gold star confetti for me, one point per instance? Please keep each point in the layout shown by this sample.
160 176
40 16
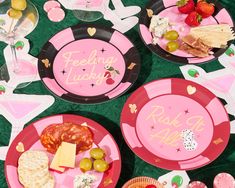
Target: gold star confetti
107 181
218 141
131 66
133 108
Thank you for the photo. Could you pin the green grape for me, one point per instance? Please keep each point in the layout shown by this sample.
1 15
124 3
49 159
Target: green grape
171 35
85 164
100 165
172 46
97 153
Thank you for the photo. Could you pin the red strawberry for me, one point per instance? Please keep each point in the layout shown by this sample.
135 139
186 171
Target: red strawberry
186 6
110 81
205 9
193 19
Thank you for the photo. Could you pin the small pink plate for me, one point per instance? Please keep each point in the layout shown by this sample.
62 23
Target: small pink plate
175 124
30 139
223 180
51 4
56 14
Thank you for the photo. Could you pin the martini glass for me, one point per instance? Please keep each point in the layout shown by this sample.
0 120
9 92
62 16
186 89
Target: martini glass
89 12
11 32
19 110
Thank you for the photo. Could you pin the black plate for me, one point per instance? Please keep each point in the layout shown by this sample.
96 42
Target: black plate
69 78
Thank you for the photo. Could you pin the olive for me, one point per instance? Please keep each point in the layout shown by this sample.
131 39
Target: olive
100 165
171 35
15 14
97 153
19 4
85 164
172 46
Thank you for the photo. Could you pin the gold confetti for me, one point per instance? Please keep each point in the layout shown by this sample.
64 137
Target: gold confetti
20 147
46 62
91 31
131 66
157 160
218 141
133 108
107 181
191 90
150 13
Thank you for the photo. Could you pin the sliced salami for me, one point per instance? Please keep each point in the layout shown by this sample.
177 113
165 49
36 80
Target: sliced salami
52 136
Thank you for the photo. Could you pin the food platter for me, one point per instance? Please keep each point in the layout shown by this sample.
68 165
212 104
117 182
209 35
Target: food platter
30 140
88 64
175 124
168 9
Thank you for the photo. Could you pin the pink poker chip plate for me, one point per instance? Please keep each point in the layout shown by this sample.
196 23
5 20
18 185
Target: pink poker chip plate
51 4
175 124
30 138
89 64
223 180
56 14
197 184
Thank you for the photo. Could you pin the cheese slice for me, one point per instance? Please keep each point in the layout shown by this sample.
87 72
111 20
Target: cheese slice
55 162
213 28
67 155
215 36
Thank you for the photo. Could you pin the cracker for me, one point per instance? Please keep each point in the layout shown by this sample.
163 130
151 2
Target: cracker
34 180
215 36
33 169
50 183
33 160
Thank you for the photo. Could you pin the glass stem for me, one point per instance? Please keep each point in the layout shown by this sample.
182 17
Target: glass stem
16 67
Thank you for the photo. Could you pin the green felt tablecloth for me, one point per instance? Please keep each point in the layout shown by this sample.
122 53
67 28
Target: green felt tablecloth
108 114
